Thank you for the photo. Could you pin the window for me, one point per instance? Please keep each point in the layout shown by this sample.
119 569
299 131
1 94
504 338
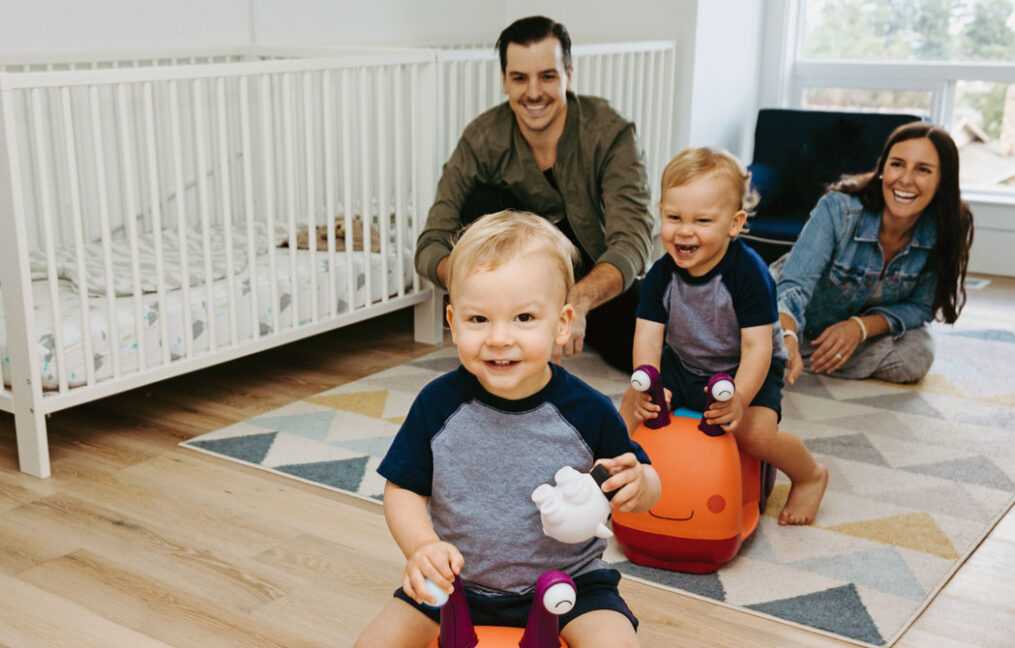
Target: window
949 61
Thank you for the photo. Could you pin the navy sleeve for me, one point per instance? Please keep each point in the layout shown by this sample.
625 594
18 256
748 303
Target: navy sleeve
752 289
409 461
596 419
652 289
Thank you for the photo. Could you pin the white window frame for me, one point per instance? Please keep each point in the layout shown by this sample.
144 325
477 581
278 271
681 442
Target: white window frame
938 78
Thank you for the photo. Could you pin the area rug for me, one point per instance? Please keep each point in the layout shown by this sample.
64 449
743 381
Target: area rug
919 476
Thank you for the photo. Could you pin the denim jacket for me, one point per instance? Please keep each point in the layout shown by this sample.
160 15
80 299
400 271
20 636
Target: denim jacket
835 264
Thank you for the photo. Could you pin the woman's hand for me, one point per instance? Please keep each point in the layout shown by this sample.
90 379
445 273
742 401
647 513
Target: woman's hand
440 562
835 345
796 362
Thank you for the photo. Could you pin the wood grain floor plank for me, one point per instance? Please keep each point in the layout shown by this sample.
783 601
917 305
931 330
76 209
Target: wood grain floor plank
34 618
135 600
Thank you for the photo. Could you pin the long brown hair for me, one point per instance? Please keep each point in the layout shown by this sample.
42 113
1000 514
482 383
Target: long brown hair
953 220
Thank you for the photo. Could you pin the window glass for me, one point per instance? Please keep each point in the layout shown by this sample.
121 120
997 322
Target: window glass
909 30
898 101
984 130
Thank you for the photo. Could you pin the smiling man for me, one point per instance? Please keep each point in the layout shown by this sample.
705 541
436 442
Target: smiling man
569 158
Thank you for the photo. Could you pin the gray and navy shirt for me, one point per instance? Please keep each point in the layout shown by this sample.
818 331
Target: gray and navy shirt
478 458
703 315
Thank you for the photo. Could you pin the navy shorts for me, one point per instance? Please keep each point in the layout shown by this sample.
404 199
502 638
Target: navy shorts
596 590
689 388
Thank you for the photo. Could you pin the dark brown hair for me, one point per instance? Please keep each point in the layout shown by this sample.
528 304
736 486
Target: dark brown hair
526 31
953 220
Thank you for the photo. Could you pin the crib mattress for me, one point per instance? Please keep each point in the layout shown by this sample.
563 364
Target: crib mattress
169 313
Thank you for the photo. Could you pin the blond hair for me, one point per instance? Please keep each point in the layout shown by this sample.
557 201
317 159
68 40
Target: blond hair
497 238
712 160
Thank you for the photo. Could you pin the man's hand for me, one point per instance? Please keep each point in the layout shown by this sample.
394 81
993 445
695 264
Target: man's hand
576 342
599 286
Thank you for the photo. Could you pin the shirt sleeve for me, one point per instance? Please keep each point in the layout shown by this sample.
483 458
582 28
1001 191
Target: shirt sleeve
809 258
625 205
444 220
651 292
409 461
754 292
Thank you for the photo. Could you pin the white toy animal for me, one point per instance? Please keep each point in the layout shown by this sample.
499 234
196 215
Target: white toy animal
576 509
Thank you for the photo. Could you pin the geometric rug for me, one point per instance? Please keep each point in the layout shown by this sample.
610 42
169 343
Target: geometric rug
919 475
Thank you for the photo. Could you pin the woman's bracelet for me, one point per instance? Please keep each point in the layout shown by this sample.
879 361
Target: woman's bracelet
863 327
788 333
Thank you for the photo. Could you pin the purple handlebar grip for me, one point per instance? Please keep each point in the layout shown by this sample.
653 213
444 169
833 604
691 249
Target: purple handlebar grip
457 630
656 393
543 629
703 425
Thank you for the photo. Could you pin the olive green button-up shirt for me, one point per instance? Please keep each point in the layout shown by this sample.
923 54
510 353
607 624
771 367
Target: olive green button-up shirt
599 171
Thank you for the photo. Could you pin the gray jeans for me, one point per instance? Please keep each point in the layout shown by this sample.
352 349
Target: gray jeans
905 360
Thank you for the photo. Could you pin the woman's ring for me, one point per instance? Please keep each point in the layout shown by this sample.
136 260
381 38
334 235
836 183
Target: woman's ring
838 356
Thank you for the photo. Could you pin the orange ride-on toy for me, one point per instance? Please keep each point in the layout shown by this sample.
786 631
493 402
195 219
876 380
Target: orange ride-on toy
554 595
712 494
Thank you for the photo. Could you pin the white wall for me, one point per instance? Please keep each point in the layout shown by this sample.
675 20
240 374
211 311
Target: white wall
724 86
54 26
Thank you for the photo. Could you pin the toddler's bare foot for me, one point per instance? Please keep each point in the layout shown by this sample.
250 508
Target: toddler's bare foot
804 499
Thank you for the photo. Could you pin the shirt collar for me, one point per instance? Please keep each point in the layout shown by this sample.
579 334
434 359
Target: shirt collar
923 234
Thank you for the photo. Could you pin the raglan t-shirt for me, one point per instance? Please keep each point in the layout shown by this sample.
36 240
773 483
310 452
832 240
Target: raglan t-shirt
703 315
478 458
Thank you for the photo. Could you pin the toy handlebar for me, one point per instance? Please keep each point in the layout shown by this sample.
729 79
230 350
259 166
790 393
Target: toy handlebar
646 378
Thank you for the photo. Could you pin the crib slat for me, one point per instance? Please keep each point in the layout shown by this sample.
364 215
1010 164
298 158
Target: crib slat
226 206
79 236
365 180
155 207
327 116
416 137
289 136
107 237
347 207
46 204
400 211
126 142
181 218
383 173
309 174
269 195
248 206
200 146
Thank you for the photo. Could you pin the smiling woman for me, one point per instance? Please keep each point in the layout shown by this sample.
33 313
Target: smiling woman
883 253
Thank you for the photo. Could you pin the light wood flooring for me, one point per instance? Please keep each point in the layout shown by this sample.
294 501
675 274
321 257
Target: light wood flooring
138 543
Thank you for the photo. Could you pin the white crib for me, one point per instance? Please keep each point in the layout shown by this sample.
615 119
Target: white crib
144 199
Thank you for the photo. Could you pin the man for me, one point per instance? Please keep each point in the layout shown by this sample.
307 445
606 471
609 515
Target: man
572 160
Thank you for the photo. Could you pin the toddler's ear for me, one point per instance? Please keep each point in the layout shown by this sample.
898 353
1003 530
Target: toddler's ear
739 219
449 315
567 315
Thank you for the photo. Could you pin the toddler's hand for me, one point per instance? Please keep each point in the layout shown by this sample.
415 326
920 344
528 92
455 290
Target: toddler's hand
437 560
629 476
726 414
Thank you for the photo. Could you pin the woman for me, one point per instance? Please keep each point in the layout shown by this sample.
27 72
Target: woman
882 254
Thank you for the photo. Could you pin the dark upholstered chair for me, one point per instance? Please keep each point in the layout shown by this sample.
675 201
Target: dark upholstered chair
797 153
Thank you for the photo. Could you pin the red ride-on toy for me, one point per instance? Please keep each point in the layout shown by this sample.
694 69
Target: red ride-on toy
712 494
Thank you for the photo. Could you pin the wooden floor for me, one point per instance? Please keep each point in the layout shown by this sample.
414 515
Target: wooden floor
138 543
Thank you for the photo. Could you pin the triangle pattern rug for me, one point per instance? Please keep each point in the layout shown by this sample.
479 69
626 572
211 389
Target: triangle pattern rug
919 475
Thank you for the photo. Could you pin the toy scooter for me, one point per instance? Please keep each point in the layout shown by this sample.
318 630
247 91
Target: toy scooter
712 494
554 595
